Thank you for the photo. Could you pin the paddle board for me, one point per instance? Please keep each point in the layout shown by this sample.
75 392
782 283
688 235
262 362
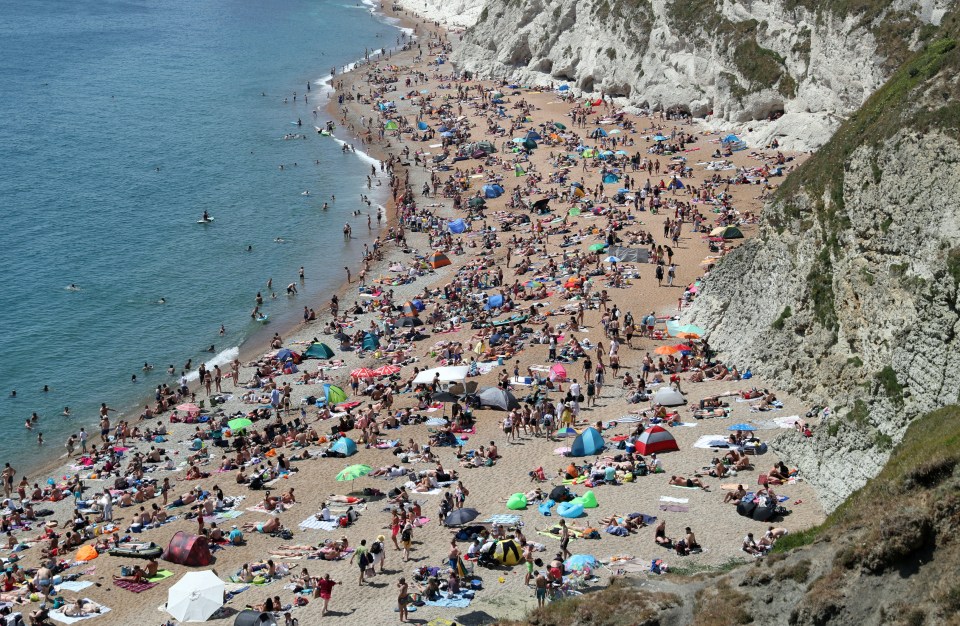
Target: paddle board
263 319
206 221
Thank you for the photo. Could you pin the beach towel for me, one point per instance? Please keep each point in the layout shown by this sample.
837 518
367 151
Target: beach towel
729 486
675 508
676 500
233 589
786 421
60 617
222 517
74 585
455 602
682 487
507 519
312 523
711 441
162 574
132 586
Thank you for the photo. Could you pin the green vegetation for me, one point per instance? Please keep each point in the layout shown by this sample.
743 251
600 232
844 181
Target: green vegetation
855 361
886 380
611 54
784 316
799 572
953 265
859 414
820 283
882 441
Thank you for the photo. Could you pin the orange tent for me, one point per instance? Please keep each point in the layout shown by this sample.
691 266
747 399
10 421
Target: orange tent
438 259
408 309
86 553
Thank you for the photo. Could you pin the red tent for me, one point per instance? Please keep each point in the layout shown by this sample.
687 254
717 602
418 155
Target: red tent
656 439
187 549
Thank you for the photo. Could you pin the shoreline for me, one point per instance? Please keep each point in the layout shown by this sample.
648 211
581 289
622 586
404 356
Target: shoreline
258 341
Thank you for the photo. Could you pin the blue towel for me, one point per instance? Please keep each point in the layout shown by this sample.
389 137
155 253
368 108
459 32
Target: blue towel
457 602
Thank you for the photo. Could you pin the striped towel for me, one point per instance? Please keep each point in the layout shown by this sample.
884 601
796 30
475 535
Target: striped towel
312 523
502 518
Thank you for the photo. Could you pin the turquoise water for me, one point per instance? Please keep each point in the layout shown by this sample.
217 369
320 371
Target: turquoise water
97 97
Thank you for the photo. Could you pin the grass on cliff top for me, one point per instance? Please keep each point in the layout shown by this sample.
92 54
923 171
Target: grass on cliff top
930 450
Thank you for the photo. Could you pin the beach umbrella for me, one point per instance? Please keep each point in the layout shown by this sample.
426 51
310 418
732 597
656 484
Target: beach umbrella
353 472
363 372
597 247
476 202
664 350
518 139
195 597
387 370
541 205
239 424
559 125
334 394
692 329
460 516
567 432
574 212
189 408
611 259
580 562
741 427
683 335
615 131
659 138
558 373
533 284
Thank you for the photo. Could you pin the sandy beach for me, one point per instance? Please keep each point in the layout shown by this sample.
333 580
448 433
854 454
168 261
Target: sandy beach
558 235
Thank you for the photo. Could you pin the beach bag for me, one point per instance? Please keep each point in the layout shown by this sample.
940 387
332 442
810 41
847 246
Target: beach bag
746 509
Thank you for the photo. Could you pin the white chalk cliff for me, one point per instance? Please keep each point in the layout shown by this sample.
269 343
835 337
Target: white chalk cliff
736 62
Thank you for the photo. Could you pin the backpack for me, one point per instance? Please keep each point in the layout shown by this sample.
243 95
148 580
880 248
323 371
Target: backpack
376 548
406 535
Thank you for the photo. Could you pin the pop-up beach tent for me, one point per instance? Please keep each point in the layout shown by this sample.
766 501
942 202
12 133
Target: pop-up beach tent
437 260
345 446
656 439
497 398
370 342
456 226
492 191
590 441
187 549
318 351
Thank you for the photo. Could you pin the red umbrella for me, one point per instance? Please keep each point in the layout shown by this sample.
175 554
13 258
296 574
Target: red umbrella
387 370
363 372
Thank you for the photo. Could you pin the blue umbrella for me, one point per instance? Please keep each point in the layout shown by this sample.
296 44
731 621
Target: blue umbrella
579 562
741 427
659 138
422 125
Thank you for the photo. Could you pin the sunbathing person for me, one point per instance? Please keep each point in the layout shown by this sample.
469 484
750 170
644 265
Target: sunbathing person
734 497
268 527
680 481
81 608
138 576
719 470
660 535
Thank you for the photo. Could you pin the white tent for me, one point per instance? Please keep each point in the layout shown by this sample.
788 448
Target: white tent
668 396
195 597
452 374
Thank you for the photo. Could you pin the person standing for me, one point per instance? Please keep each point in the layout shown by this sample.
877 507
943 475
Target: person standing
671 274
378 553
402 598
361 554
324 589
8 474
564 539
406 538
660 274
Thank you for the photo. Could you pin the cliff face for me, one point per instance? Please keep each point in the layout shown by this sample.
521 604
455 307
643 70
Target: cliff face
815 61
849 294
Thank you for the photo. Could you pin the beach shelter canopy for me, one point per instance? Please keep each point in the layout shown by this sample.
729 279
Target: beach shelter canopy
557 373
630 255
487 147
370 342
333 394
409 309
497 398
494 302
492 191
195 597
456 226
727 232
580 562
422 125
409 322
667 396
590 441
187 549
656 439
437 260
239 424
598 132
451 374
318 351
506 552
345 446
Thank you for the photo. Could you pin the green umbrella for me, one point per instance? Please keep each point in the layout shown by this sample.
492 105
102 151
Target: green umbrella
692 329
475 202
560 126
354 472
239 424
575 211
597 247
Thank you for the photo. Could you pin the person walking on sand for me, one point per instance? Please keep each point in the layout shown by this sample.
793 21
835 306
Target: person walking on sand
564 539
406 537
362 555
347 270
324 589
8 474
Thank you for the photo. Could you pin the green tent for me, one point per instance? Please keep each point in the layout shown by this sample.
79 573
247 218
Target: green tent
476 202
391 125
727 232
333 394
318 351
530 144
486 146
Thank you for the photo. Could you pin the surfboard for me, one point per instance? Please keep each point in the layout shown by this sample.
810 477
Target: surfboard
263 319
206 221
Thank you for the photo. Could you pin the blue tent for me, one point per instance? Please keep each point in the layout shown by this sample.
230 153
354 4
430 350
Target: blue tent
345 446
370 342
598 132
611 178
284 354
589 442
422 125
534 135
676 183
456 226
446 133
730 138
418 305
492 191
494 302
563 87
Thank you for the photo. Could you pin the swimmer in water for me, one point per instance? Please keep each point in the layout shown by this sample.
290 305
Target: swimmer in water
171 369
133 378
211 348
66 411
249 248
46 388
223 330
325 206
147 367
162 301
305 193
279 240
13 394
73 287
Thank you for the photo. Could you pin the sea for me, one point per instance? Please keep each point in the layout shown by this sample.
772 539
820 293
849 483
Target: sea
121 123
